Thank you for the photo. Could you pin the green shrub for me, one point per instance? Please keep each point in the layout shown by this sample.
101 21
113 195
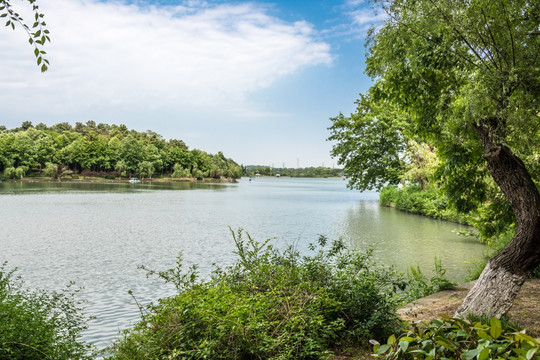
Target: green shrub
39 325
451 338
429 201
388 195
270 304
419 286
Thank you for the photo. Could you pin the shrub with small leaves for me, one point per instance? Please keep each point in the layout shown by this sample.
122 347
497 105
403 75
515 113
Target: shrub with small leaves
270 304
452 338
39 325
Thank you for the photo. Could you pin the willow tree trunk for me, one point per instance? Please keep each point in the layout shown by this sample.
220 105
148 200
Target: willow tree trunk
501 280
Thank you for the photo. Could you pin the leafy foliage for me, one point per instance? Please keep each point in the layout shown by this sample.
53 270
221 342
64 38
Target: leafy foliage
100 149
431 202
370 143
420 286
269 304
38 34
444 72
39 325
450 338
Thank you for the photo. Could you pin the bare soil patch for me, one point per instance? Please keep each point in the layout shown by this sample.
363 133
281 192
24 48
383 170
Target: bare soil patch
525 311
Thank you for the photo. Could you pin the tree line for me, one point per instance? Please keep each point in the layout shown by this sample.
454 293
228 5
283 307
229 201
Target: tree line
63 150
311 172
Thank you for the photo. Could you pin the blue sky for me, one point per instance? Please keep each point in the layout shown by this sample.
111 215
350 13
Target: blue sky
257 80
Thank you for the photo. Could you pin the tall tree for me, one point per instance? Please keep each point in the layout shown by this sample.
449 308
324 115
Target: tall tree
131 151
467 74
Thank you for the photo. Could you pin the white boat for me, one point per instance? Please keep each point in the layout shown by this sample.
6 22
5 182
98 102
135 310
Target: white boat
134 180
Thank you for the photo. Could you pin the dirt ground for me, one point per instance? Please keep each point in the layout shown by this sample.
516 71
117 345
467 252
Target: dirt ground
525 311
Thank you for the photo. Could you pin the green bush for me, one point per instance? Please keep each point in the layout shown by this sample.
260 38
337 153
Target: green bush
270 304
388 195
419 286
451 338
429 201
39 325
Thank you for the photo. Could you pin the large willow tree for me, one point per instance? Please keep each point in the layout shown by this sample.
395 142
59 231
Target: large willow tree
463 76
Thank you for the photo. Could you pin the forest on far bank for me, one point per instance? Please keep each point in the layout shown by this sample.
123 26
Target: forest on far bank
110 151
311 172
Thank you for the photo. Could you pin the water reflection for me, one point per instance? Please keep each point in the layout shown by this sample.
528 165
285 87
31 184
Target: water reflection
407 240
96 234
31 187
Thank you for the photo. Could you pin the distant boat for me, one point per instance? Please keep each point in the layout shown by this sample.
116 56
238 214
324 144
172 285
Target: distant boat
278 175
134 180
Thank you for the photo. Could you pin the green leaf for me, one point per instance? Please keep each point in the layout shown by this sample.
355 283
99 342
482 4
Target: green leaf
496 328
483 335
531 353
524 337
484 354
445 342
471 354
382 349
404 345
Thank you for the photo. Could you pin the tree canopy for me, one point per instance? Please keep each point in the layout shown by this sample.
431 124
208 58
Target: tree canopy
463 77
102 149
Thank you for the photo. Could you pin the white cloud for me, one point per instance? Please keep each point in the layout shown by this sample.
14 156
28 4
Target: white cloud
352 3
357 17
367 16
129 56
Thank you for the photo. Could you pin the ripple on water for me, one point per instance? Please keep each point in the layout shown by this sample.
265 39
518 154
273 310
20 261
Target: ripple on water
97 235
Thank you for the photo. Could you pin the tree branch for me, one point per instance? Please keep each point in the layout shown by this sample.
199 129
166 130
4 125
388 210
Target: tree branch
451 24
493 38
511 34
421 35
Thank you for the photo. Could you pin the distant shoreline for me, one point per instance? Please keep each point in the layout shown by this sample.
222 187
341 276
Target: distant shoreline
118 180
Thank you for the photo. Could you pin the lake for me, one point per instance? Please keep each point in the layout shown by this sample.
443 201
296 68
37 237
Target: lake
96 234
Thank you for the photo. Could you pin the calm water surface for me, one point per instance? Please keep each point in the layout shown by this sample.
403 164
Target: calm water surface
97 234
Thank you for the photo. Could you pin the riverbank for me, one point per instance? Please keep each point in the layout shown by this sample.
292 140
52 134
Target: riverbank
525 310
120 180
430 202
